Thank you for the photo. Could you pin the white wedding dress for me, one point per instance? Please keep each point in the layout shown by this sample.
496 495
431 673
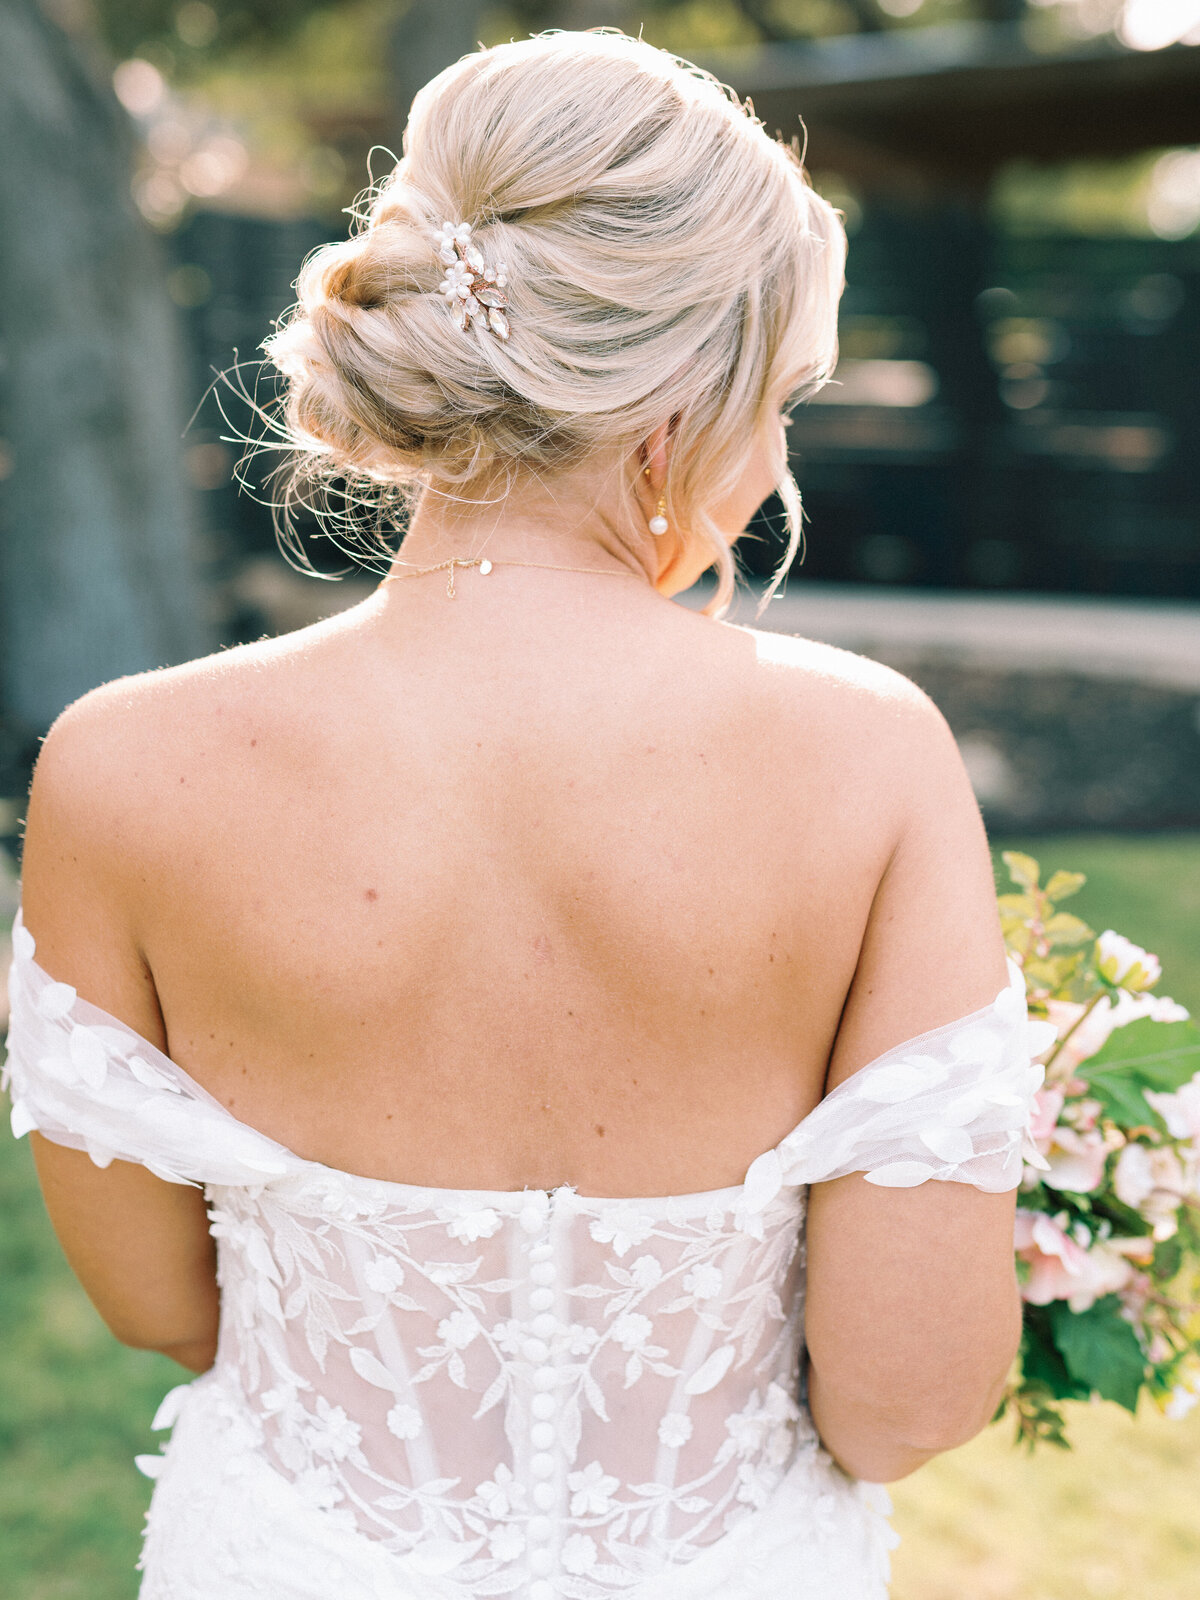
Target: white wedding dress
433 1394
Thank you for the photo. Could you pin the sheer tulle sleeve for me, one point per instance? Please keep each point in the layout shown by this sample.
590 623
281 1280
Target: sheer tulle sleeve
83 1080
952 1105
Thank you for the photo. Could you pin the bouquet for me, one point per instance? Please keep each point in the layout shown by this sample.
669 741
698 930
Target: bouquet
1108 1219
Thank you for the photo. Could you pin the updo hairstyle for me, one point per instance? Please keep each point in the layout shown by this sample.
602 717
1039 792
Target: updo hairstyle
666 260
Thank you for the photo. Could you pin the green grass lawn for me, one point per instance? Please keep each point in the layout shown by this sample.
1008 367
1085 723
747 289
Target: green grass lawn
1119 1516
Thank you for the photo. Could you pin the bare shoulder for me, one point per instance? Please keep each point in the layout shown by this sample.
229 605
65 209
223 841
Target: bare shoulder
874 716
117 736
114 758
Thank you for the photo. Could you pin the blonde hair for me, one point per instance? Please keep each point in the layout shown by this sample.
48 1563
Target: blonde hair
667 261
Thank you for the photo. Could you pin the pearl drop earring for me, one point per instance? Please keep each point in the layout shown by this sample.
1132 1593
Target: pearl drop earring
658 523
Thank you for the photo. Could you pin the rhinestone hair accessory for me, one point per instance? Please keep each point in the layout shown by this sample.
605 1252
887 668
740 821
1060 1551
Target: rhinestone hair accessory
474 291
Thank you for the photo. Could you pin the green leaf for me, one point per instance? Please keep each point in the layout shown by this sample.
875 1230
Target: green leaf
1168 1258
1100 1349
1041 1362
1121 1097
1127 1222
1064 884
1022 869
1142 1055
1063 928
1016 905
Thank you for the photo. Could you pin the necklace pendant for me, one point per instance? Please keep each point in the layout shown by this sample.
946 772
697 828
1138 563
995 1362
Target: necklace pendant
485 566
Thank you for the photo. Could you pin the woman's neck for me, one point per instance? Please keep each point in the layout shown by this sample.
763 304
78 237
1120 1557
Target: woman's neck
569 522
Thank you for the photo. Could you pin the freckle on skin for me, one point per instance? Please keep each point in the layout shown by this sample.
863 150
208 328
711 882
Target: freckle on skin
600 1129
253 742
370 894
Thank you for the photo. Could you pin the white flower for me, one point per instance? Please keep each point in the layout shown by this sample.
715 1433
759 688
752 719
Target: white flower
1152 1181
477 1222
1180 1110
704 1281
1186 1392
319 1487
623 1227
458 1329
331 1432
592 1491
508 1337
383 1274
404 1421
579 1339
1132 1178
632 1330
756 1480
501 1494
507 1543
645 1272
579 1553
675 1430
765 1427
1124 963
1181 1402
279 1399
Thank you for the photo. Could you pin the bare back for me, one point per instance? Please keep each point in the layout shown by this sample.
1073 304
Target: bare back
555 883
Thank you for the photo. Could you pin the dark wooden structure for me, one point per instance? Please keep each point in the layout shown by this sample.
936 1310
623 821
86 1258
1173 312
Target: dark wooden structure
952 104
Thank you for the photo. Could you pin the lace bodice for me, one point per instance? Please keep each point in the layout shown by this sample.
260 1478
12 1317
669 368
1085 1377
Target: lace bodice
537 1393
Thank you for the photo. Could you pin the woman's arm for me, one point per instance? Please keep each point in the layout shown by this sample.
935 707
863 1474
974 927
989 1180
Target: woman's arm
139 1246
913 1314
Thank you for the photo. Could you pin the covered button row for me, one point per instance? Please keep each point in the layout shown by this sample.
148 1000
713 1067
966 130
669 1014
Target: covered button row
542 1432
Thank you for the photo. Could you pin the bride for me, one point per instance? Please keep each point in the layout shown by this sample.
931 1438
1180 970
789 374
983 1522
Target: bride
500 1036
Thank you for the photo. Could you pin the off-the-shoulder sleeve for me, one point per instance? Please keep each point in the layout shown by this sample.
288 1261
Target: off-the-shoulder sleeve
83 1079
952 1105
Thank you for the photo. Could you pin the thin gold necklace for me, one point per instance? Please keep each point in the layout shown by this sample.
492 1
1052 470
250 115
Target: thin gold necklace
485 565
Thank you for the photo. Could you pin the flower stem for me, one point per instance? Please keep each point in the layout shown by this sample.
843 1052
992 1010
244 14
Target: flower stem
1079 1020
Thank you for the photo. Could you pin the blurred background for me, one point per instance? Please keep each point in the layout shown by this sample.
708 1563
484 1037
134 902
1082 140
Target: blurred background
1002 491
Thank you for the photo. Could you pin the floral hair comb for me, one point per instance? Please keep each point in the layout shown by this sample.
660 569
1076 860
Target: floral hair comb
475 292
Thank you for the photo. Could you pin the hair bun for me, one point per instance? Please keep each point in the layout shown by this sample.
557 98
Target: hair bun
666 259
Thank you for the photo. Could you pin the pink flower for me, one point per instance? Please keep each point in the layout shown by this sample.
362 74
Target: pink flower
1076 1160
1060 1269
1047 1105
1067 1137
1083 1115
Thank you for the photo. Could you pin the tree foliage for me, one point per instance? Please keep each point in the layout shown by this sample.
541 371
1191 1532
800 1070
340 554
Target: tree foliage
209 29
